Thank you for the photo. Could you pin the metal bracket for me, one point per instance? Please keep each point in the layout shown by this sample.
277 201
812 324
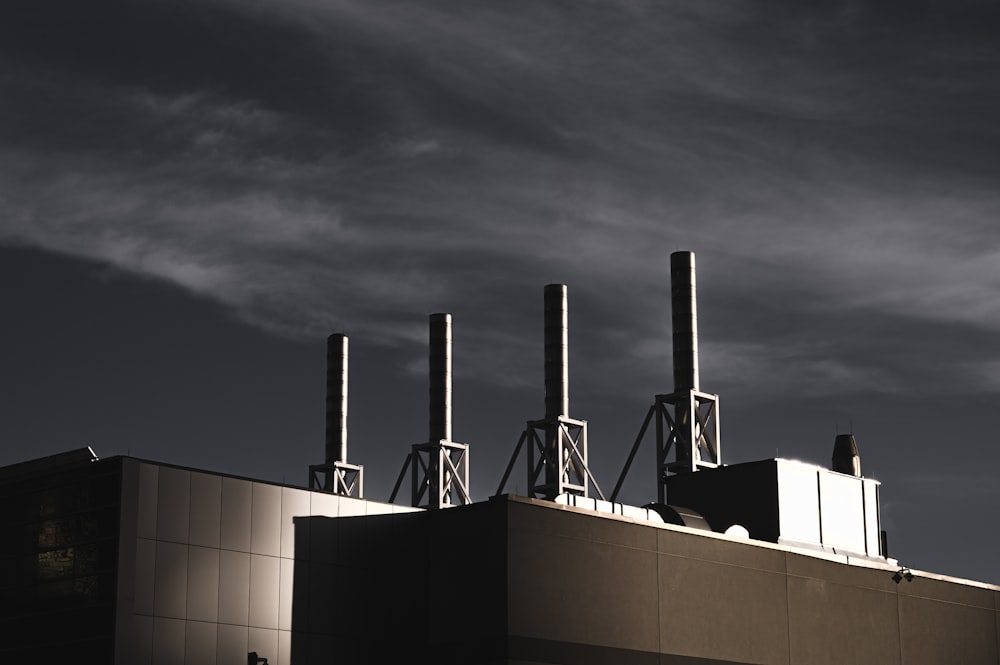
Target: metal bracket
339 478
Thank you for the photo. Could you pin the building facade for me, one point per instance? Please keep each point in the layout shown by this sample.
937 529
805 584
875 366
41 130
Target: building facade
134 562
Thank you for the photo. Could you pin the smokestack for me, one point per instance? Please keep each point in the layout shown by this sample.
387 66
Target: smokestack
439 368
846 458
685 321
556 352
336 398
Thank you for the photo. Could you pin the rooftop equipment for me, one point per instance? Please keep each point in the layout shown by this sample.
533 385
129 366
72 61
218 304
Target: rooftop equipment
439 468
846 458
557 448
335 474
686 419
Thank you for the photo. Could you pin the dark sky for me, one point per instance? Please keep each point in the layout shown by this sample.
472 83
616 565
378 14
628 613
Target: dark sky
194 193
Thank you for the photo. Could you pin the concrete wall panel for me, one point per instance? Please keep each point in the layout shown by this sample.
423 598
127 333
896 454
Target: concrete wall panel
348 507
294 503
327 505
830 623
265 643
722 611
145 576
286 586
937 631
323 598
170 586
236 502
555 591
206 510
144 641
232 644
148 481
285 648
718 550
234 588
264 597
555 520
203 584
201 643
168 641
800 565
134 645
948 592
173 505
265 520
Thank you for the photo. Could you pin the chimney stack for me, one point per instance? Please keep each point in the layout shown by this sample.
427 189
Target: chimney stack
685 321
556 351
336 398
439 468
335 474
439 369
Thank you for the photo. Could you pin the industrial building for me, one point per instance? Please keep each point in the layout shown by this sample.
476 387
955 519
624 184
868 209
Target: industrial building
129 561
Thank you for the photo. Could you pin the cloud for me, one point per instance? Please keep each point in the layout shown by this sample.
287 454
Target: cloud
340 163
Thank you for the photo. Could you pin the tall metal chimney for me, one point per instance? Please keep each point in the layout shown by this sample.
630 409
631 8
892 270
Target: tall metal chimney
336 398
335 474
557 444
439 468
556 351
683 297
439 368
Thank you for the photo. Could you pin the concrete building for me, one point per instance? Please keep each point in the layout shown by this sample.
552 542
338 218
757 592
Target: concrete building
774 562
127 561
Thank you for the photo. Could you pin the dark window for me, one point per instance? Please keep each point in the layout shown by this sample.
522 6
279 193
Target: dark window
58 561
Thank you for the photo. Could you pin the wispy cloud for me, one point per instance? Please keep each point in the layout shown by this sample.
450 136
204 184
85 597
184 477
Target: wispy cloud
368 162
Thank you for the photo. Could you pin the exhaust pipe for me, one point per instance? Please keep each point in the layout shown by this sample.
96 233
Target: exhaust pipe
439 370
556 352
685 321
336 398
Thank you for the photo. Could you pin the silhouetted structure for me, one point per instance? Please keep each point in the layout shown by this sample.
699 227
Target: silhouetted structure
128 561
778 562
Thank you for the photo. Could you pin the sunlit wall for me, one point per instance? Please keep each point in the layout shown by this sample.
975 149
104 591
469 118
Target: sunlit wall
208 568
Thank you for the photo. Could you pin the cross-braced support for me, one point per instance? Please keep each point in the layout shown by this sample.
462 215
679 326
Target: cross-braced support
557 459
694 429
695 439
691 426
339 477
440 474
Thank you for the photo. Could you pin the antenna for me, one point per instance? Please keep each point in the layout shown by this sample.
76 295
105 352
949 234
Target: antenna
335 474
557 444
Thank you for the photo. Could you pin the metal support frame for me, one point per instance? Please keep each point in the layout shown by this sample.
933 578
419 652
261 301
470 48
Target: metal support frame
557 459
688 421
439 474
693 430
339 478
